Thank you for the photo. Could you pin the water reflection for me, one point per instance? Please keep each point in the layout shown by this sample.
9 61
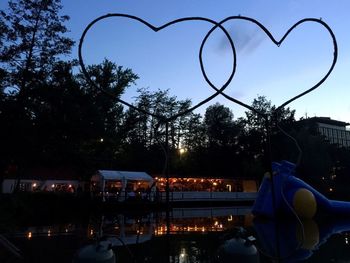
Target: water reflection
133 229
217 235
230 236
49 230
180 237
297 241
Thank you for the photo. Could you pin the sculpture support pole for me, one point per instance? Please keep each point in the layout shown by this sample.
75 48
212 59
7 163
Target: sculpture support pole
268 160
167 161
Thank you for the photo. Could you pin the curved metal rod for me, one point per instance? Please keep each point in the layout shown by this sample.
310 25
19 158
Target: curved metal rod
156 29
278 43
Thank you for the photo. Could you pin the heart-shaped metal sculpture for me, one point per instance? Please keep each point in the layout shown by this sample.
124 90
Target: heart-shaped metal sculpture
156 29
277 43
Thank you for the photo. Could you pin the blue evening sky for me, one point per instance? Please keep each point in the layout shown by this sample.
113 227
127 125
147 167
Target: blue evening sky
169 59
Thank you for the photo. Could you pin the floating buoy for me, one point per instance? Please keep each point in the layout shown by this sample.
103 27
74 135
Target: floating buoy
96 253
239 250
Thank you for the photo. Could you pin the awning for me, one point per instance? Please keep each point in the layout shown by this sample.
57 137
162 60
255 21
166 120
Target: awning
121 175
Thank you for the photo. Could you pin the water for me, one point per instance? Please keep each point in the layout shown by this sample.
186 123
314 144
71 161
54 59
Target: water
188 235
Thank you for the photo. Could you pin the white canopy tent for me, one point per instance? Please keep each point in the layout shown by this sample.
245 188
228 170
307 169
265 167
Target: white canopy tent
103 176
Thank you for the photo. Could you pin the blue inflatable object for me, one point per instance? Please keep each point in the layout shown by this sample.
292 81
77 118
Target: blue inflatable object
293 195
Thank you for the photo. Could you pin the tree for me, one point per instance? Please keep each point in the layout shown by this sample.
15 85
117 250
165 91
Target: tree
111 80
216 156
220 127
255 121
105 114
32 41
3 75
193 136
145 134
255 125
254 143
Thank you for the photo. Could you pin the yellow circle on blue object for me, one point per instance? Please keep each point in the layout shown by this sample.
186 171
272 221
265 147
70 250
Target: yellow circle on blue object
304 203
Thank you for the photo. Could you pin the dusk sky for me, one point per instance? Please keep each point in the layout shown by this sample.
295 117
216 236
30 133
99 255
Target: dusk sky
169 59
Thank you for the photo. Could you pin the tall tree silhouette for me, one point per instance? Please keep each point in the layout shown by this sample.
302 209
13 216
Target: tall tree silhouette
32 41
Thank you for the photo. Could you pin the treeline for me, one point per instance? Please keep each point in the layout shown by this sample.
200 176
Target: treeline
51 116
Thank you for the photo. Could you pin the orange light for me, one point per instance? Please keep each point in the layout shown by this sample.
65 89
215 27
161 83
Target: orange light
29 235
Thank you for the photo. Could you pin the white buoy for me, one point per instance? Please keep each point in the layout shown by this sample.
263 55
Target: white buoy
96 253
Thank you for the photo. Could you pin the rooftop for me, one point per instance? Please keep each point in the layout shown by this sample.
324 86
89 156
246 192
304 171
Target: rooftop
327 120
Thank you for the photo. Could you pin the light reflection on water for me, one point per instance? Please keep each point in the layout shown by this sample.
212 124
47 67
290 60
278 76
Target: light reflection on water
187 235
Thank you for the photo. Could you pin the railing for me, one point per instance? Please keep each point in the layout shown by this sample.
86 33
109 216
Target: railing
183 196
193 212
208 196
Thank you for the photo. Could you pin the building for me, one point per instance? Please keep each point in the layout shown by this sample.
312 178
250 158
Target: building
121 185
42 179
196 184
335 132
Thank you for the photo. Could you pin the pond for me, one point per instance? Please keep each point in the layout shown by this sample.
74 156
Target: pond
182 235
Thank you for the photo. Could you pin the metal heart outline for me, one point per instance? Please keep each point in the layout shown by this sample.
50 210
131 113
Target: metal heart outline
156 29
277 43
